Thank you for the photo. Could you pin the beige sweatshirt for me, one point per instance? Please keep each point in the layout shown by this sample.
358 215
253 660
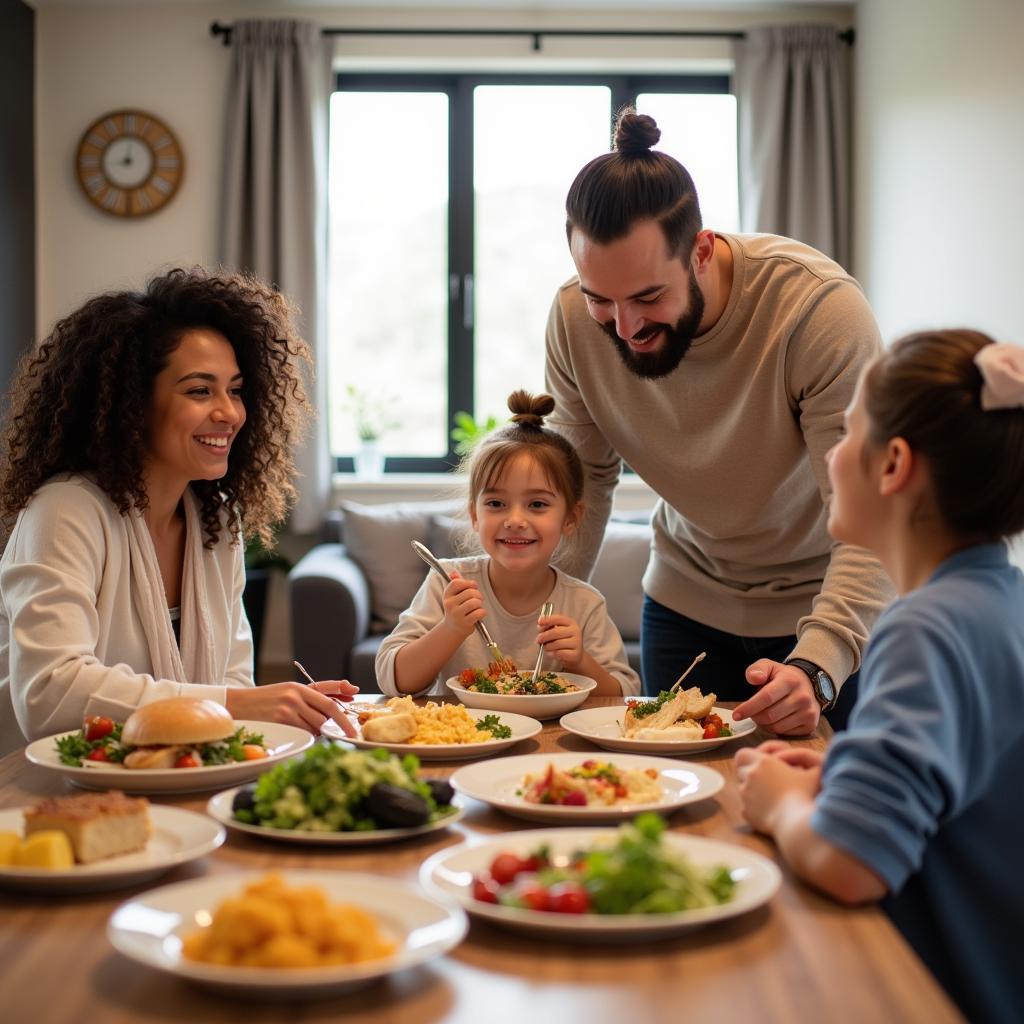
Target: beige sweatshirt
733 442
516 635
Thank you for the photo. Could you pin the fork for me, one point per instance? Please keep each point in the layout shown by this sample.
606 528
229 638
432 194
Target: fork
424 552
545 609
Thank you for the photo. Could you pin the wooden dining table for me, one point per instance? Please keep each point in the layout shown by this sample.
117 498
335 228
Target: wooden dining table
799 958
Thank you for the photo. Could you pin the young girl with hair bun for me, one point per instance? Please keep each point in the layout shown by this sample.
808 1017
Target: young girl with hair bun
917 803
525 499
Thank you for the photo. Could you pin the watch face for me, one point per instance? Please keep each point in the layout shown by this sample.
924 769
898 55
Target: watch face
129 163
825 687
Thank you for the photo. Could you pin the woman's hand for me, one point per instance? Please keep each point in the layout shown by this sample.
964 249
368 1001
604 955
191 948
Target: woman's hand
771 777
307 707
562 638
463 605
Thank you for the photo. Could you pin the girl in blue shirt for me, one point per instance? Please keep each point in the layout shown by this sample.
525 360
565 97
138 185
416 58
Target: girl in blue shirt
918 803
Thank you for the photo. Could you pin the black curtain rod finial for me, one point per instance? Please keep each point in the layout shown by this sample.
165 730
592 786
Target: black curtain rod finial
217 29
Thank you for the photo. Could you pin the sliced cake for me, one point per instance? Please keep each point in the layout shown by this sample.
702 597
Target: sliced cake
99 825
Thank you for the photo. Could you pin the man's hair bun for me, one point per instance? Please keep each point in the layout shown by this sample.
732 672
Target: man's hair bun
635 133
529 410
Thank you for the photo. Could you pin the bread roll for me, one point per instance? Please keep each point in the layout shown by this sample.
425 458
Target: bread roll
390 728
177 720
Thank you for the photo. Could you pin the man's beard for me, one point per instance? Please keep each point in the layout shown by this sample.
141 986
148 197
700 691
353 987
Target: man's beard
676 344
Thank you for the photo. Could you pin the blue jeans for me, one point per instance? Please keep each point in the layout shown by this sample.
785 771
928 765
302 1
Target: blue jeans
670 641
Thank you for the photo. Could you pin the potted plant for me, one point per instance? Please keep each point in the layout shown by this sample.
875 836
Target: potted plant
372 419
467 432
260 562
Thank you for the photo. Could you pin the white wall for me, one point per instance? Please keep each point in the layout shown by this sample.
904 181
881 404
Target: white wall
939 153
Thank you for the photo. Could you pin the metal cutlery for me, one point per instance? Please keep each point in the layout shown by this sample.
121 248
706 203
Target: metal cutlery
424 552
545 609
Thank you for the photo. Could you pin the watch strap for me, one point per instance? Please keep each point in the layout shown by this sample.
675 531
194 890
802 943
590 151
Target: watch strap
813 672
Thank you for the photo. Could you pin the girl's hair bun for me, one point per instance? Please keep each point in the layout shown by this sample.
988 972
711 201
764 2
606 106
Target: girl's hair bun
529 410
635 133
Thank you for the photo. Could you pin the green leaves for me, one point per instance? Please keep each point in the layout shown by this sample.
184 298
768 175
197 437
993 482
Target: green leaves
468 433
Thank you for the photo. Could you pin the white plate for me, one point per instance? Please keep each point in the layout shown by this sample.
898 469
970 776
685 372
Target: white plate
603 726
450 872
150 928
522 729
283 741
219 807
496 783
178 837
536 705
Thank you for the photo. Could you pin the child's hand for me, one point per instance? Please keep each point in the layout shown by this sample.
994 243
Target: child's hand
463 605
768 779
798 757
562 638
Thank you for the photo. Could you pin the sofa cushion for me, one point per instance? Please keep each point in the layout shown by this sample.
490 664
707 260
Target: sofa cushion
618 573
448 536
379 539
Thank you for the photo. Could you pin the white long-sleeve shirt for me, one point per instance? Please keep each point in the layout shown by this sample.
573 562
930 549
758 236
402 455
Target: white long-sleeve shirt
516 635
84 623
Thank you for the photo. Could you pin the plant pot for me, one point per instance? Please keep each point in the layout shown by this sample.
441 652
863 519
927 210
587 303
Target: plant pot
369 460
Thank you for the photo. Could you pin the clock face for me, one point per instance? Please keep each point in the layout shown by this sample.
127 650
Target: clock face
129 163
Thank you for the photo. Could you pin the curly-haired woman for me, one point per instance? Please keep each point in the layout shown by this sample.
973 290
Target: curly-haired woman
143 437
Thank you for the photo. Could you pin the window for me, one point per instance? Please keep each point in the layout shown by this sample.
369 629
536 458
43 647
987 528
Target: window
447 239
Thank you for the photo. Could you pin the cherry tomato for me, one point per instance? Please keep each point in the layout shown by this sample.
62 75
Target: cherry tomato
533 894
712 731
99 754
574 798
534 862
189 760
485 889
568 898
253 752
505 867
96 727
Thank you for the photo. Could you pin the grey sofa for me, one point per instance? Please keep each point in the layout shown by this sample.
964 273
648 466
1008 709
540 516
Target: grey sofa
346 594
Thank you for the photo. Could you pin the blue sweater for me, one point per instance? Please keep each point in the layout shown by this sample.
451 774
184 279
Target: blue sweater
925 787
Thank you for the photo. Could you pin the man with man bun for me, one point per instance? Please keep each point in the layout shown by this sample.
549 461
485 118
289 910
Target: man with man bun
717 366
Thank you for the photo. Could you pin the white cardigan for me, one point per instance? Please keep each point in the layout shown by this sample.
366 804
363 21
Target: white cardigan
84 623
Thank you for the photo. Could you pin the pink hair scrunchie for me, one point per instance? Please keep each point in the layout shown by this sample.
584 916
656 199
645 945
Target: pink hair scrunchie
1002 371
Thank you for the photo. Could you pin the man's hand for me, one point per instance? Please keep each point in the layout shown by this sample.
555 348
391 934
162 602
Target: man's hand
463 605
770 778
784 704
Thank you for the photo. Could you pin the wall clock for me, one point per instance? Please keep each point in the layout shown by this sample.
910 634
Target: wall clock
129 163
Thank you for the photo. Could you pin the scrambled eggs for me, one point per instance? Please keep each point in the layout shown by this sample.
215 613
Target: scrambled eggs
441 723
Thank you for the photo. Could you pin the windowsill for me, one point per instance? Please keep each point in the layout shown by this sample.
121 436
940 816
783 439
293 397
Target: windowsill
631 494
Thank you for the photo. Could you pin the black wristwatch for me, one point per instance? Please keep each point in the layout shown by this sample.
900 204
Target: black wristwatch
821 682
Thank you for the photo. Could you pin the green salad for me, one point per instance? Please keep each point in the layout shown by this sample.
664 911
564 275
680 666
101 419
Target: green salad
637 874
332 788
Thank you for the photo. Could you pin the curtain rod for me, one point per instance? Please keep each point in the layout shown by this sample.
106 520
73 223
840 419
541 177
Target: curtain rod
224 31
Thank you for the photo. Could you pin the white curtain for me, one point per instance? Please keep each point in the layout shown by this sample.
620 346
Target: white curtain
274 199
793 111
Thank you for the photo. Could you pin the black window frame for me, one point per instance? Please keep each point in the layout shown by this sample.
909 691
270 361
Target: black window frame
461 208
